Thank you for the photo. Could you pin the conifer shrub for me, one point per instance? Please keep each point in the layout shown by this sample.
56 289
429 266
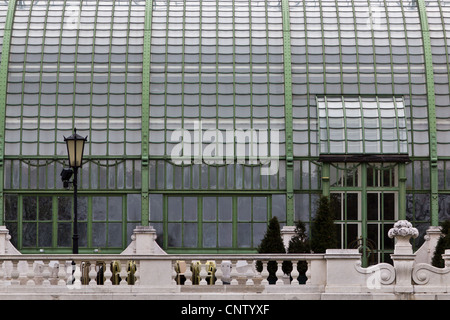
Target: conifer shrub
271 243
299 243
323 230
442 244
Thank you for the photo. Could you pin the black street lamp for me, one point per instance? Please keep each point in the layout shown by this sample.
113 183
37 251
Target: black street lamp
75 147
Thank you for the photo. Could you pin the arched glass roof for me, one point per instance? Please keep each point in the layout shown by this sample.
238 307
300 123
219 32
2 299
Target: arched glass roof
79 63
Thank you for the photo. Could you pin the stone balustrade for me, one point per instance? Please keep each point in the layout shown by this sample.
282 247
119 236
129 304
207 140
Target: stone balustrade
156 270
144 271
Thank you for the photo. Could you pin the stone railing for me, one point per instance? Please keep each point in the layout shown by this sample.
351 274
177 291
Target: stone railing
144 270
156 270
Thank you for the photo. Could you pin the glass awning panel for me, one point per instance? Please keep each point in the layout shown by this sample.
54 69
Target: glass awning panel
362 126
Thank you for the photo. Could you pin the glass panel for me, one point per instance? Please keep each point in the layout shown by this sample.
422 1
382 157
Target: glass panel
190 239
29 207
372 206
209 209
64 234
341 131
99 208
244 235
29 234
45 235
45 208
389 206
352 206
225 235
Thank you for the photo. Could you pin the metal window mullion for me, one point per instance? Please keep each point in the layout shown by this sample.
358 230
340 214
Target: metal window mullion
380 130
340 47
409 71
373 51
390 50
92 89
199 222
345 124
328 124
397 129
432 130
323 50
251 155
362 125
125 125
75 71
109 85
23 76
358 72
40 83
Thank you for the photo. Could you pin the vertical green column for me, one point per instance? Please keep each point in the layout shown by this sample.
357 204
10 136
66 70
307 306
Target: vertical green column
3 86
401 191
288 114
364 213
146 113
326 179
434 205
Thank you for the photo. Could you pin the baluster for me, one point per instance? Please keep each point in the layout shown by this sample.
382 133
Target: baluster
62 273
15 273
174 273
308 272
107 274
203 273
264 274
279 274
2 274
137 274
30 273
123 273
46 273
234 273
188 274
92 274
77 276
250 273
294 274
22 268
219 273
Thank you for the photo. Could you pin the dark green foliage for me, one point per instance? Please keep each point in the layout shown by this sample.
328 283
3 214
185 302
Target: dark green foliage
442 244
299 243
323 230
271 243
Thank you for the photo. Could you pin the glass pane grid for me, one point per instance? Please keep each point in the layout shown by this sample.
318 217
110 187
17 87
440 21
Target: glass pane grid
360 125
94 86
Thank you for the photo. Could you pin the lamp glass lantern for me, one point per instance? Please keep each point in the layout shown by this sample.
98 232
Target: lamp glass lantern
75 148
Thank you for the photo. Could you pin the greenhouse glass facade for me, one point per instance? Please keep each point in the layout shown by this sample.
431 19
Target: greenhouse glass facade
207 118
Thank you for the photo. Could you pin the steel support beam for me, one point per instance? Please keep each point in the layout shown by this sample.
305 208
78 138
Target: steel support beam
3 86
434 204
145 113
288 114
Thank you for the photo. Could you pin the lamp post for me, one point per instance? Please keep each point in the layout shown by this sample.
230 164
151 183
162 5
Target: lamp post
75 147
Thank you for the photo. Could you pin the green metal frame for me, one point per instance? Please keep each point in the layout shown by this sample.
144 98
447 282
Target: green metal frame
3 85
288 113
434 204
293 185
146 112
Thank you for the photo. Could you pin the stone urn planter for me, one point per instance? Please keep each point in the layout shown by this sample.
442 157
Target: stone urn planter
403 256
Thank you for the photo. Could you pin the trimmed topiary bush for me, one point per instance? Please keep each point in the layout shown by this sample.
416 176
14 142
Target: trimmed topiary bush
442 244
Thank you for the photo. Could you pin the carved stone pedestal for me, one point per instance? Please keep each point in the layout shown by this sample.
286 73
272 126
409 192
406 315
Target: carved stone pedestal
403 256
